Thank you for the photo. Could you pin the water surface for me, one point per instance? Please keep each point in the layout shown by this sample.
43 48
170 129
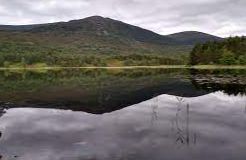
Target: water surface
132 114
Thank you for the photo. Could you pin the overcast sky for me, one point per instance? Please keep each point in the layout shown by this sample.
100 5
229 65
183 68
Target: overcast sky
219 17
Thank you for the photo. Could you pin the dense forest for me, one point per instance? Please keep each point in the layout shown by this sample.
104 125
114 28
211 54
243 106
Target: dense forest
231 51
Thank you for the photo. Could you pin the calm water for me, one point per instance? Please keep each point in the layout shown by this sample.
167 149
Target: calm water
134 114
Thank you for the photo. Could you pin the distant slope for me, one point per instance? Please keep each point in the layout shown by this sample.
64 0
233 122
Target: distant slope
193 37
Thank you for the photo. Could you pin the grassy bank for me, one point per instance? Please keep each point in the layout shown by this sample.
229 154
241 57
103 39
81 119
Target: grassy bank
46 67
218 67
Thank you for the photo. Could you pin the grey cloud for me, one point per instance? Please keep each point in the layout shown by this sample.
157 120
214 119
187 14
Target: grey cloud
220 17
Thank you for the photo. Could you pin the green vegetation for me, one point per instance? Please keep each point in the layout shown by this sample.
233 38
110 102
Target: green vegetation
232 51
17 54
95 42
25 51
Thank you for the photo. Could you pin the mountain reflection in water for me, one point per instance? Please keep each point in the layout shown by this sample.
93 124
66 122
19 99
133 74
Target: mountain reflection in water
136 114
102 91
165 127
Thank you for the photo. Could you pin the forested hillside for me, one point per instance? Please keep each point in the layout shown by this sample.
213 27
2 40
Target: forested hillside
231 51
26 49
93 41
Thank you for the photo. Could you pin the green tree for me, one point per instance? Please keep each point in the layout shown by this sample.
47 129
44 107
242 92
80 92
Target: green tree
23 61
230 51
6 64
228 58
242 60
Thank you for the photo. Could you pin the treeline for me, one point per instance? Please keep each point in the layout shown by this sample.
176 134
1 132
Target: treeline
25 54
231 51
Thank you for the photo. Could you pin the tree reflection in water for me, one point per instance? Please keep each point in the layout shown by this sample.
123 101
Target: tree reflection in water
102 91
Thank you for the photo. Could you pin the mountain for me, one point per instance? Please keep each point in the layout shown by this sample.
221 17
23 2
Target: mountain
193 37
101 26
96 25
106 27
67 43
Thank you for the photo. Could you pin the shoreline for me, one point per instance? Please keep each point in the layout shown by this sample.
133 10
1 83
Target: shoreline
207 67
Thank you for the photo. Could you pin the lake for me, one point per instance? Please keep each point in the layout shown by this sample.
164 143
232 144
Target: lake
123 114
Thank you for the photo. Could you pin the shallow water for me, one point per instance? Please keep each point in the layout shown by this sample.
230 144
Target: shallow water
123 115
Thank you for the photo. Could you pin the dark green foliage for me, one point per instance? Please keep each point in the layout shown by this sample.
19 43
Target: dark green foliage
232 51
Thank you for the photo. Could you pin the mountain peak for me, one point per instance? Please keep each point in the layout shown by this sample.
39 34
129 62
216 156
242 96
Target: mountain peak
95 17
90 19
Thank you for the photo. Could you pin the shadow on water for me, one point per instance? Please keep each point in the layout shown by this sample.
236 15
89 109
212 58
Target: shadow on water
100 90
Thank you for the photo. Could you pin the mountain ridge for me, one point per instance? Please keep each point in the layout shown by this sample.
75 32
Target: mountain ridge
109 27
